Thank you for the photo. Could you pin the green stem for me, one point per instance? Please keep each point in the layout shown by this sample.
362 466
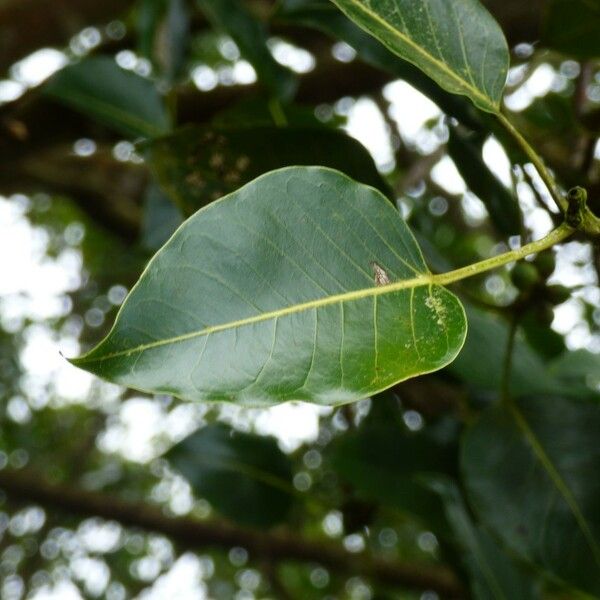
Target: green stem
537 162
554 237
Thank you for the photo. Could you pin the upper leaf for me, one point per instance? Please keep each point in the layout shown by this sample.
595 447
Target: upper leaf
163 35
531 473
325 17
456 42
302 285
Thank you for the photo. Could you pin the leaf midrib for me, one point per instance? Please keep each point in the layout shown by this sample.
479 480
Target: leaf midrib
370 292
485 100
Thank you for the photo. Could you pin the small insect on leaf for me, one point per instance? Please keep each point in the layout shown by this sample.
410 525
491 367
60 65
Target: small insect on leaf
381 277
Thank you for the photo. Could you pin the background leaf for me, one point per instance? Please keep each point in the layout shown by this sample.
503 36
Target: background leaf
494 575
480 363
246 477
250 35
287 309
196 165
385 463
500 202
580 368
163 33
161 218
571 26
99 88
456 42
539 460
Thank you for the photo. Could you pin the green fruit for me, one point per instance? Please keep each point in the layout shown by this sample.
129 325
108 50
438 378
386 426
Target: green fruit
557 294
524 276
545 263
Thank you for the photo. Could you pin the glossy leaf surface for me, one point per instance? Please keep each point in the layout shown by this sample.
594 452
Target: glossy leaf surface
99 88
456 42
196 165
244 476
539 460
269 295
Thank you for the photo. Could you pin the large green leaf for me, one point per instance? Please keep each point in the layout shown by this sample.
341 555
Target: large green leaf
245 477
99 88
456 42
269 295
531 473
198 164
493 574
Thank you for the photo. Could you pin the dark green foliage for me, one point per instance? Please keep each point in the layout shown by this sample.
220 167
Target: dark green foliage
538 458
571 26
245 477
373 461
99 88
200 164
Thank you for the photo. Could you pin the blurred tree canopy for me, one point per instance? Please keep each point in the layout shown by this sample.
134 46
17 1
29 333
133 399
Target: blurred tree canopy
118 120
